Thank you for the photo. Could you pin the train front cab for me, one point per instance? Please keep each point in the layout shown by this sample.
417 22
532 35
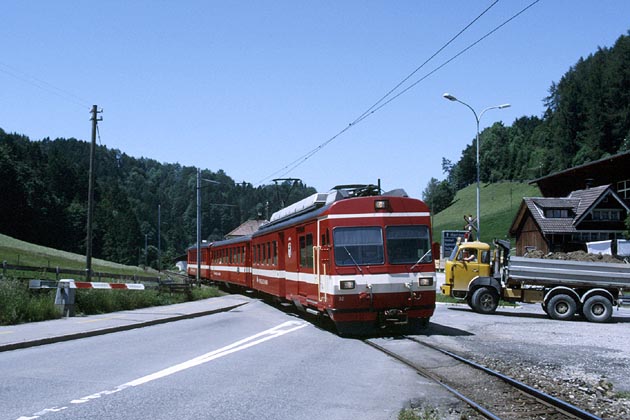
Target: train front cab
374 268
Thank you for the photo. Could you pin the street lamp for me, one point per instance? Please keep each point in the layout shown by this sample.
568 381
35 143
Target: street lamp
477 118
199 179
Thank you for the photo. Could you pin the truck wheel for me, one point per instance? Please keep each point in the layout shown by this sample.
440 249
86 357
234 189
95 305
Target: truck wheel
597 309
484 300
469 302
561 307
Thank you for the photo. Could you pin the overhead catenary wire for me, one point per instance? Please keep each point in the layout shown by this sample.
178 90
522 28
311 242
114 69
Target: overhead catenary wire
410 75
43 85
381 103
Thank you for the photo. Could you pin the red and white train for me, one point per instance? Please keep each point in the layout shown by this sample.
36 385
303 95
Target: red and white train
363 260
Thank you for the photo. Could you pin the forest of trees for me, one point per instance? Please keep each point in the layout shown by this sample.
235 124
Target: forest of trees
587 117
44 190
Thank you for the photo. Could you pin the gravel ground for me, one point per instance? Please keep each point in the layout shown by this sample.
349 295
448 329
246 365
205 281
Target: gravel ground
587 364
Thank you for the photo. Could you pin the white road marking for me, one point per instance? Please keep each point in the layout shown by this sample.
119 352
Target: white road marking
243 344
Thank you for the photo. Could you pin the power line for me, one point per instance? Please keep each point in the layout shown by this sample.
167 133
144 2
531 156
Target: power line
380 104
43 85
452 58
425 62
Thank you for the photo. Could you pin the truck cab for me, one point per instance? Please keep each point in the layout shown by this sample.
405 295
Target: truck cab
468 261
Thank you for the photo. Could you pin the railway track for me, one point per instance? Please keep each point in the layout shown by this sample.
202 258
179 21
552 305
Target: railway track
487 393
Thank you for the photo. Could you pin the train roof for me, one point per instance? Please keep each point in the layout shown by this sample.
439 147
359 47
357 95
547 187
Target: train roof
309 207
318 203
232 241
204 244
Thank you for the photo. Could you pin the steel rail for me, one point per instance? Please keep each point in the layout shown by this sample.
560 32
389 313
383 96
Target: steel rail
536 393
424 372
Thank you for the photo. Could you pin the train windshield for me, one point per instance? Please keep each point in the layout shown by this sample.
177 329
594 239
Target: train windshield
358 245
408 244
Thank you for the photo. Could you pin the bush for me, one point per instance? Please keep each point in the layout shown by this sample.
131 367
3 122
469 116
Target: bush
18 304
90 302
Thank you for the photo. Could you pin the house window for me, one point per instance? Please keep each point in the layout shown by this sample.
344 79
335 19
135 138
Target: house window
623 188
607 215
556 213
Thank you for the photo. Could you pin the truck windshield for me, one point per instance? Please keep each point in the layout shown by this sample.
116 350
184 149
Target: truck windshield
358 245
408 244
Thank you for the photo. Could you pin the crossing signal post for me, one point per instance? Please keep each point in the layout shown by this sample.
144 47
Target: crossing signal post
471 225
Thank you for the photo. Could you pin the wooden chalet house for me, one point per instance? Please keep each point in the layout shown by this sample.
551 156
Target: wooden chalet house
609 170
564 224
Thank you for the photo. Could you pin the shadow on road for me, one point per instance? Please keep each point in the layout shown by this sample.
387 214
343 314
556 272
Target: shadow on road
438 329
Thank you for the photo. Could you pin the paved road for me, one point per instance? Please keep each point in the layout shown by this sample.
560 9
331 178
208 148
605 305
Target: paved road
522 337
252 361
39 333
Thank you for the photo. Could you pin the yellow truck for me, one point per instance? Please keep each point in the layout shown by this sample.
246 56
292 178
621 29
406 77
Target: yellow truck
481 276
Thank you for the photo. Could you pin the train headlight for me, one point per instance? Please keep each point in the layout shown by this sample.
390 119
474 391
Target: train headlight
381 204
346 284
425 281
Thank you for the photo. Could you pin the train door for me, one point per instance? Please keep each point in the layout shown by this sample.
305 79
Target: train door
322 263
305 265
280 265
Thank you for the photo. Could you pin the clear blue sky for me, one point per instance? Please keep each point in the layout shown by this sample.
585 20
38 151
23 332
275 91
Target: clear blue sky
251 86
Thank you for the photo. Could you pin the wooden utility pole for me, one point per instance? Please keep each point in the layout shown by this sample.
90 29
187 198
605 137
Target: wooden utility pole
90 209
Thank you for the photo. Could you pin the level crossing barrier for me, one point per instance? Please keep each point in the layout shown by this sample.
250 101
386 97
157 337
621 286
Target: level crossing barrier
66 291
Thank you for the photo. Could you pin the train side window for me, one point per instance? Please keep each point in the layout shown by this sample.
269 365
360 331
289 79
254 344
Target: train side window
263 254
269 253
325 238
275 253
306 251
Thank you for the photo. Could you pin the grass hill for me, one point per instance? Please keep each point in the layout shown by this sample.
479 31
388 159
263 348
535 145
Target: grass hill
18 304
16 252
499 204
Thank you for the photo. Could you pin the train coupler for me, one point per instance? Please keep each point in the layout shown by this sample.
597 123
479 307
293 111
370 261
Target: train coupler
391 317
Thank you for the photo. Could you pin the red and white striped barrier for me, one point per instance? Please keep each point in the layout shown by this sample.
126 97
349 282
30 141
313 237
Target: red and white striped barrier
71 284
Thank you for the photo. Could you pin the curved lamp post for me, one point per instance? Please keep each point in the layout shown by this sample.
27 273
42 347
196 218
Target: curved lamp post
477 118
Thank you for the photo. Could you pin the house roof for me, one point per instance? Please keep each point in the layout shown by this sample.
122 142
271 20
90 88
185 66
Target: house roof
537 207
607 170
247 228
579 203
